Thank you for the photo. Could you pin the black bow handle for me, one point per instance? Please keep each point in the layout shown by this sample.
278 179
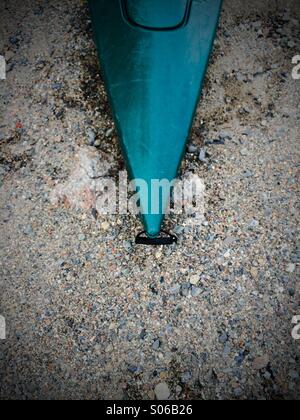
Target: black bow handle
169 239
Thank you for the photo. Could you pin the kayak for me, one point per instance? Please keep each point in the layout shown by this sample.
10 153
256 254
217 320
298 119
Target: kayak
154 55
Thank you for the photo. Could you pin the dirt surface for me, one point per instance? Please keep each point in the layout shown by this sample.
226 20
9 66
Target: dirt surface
90 315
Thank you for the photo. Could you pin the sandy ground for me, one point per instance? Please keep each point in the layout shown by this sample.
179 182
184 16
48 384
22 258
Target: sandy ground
90 315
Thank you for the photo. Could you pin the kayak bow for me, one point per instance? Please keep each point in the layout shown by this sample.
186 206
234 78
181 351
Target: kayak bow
154 56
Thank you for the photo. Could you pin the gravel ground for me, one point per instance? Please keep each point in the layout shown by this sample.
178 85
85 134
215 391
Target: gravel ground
90 315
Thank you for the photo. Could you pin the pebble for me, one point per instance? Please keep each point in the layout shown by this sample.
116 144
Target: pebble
105 226
81 237
175 290
247 110
109 132
254 272
261 362
194 280
267 376
225 135
291 44
240 77
186 377
227 350
178 389
128 246
248 174
291 291
143 334
196 291
156 345
290 268
185 290
28 230
202 155
223 338
229 240
2 170
132 369
14 40
238 392
247 132
254 224
56 86
162 391
192 148
91 136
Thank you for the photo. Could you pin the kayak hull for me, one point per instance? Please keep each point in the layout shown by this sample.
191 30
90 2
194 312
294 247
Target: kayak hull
154 59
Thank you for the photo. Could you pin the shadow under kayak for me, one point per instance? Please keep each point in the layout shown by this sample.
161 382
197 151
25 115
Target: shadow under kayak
153 56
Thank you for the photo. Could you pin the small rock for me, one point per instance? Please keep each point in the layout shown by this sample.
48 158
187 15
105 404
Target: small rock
56 86
229 240
105 226
28 230
2 170
127 245
162 391
239 359
109 132
133 369
240 77
238 392
227 254
261 362
81 237
194 280
227 350
254 224
185 290
248 174
169 329
192 148
156 345
14 40
196 291
294 374
247 132
223 338
178 389
291 44
225 135
267 376
202 155
186 377
175 290
290 268
254 272
143 334
91 136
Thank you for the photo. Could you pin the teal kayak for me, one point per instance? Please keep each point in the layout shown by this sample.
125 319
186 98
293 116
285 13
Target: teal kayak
154 55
